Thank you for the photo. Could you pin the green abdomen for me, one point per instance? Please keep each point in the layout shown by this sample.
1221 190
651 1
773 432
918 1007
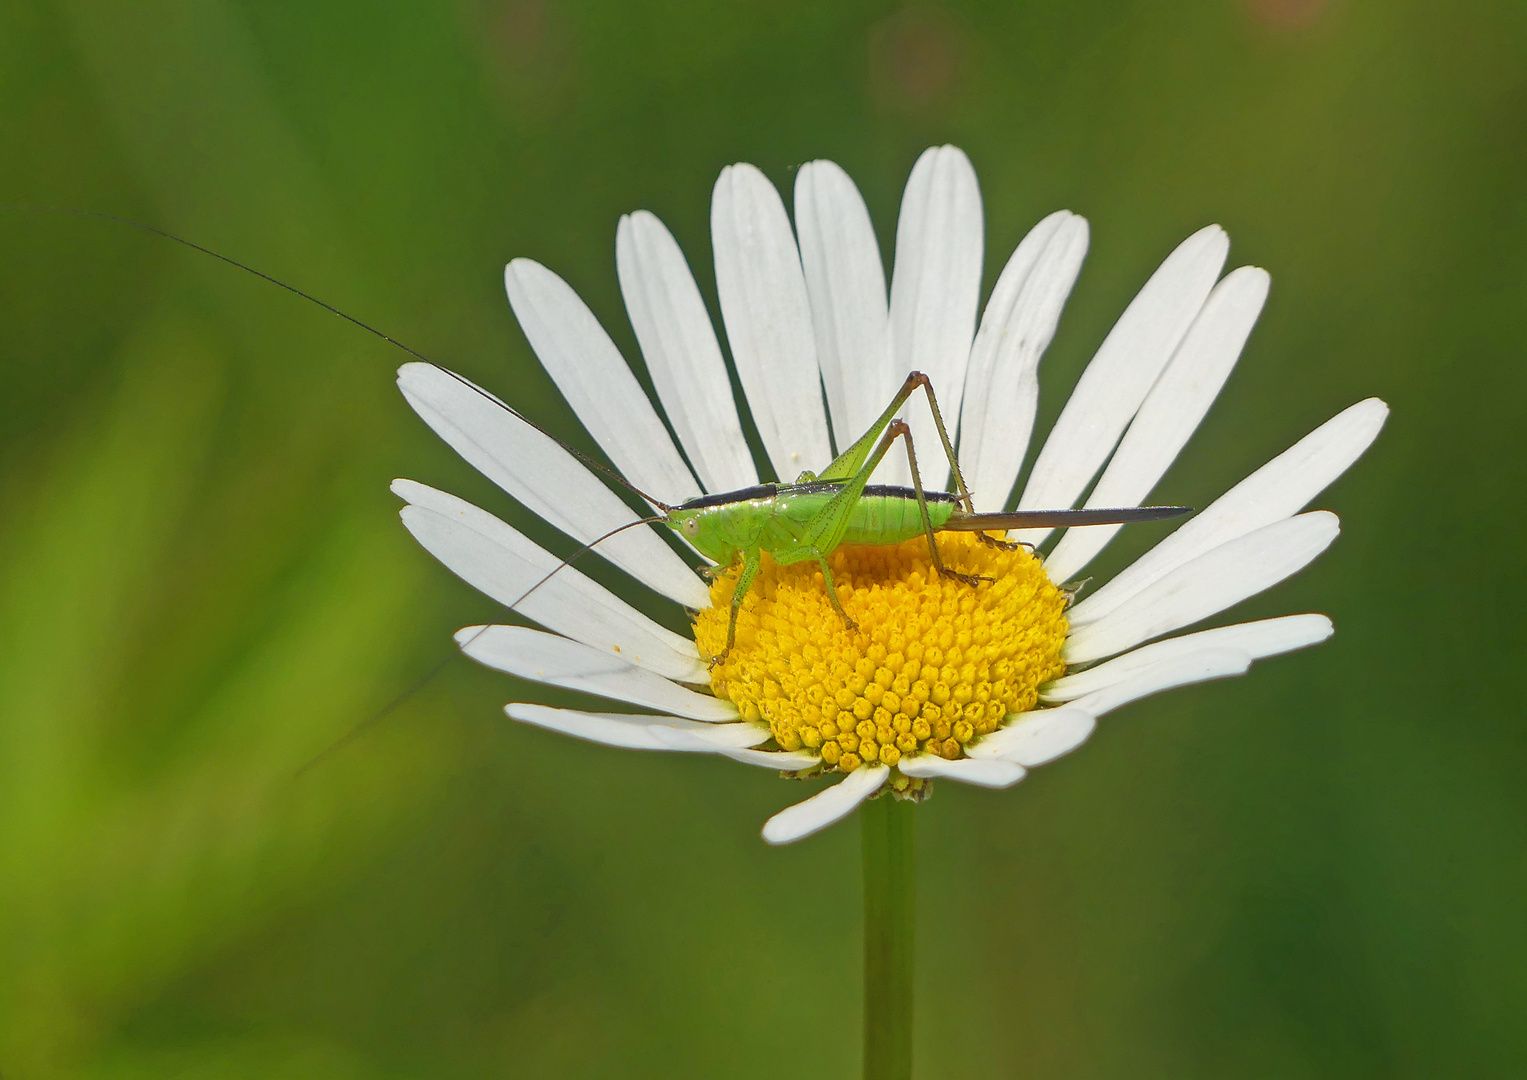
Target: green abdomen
889 515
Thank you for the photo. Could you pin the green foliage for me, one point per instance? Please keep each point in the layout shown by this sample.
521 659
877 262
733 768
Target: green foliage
1316 870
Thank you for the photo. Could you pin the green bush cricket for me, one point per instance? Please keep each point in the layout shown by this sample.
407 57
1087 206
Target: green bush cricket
809 519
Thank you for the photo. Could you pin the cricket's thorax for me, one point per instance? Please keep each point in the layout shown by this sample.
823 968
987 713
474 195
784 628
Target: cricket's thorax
933 664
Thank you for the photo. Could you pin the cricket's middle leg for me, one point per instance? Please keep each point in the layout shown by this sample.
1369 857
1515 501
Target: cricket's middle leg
832 595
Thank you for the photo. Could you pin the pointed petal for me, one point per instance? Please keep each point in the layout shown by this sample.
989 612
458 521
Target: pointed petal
593 377
1206 585
768 319
636 732
497 560
1121 374
1261 639
683 358
1002 384
1280 488
1171 412
826 806
935 289
543 475
558 661
989 773
1034 738
845 280
1177 671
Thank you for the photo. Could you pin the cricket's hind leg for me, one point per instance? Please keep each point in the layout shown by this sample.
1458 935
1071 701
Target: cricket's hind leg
899 428
1003 545
954 575
966 579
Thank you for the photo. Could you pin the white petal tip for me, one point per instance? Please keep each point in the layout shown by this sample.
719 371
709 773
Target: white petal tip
949 151
776 834
740 172
825 807
1253 279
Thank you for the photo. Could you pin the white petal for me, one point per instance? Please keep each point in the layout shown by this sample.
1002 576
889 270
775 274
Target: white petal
497 560
593 377
1127 364
935 289
784 761
558 661
698 739
768 319
1282 487
635 732
1178 671
1208 584
542 474
1171 412
683 358
825 807
1264 638
1034 738
710 738
986 773
664 733
1002 384
845 280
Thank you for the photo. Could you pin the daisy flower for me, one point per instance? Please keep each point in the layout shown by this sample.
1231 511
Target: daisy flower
941 679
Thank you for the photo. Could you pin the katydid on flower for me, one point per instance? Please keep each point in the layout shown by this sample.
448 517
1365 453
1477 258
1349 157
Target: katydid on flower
809 519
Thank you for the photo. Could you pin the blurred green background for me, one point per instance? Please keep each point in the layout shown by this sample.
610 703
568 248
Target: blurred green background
1318 870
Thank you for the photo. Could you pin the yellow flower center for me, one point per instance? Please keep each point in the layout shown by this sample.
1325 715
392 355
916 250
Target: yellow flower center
934 662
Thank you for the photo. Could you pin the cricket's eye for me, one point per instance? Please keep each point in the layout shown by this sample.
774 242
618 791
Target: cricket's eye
691 527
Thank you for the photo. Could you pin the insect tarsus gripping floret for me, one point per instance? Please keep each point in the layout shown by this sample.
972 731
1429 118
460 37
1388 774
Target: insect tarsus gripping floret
933 664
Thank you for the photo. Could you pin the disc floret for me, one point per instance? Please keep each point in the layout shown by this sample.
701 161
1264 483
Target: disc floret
934 663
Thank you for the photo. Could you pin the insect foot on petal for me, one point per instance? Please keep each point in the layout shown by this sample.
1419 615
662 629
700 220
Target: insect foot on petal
934 663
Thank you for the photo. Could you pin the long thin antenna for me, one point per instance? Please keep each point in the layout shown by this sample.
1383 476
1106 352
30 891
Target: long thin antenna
584 550
365 725
155 230
331 309
579 454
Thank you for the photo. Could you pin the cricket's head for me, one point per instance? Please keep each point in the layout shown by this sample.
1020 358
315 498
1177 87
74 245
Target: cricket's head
703 526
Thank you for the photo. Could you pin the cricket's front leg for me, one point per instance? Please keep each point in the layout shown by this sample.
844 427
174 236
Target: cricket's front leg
750 563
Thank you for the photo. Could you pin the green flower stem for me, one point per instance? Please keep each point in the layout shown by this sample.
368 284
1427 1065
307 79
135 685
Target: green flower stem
889 923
